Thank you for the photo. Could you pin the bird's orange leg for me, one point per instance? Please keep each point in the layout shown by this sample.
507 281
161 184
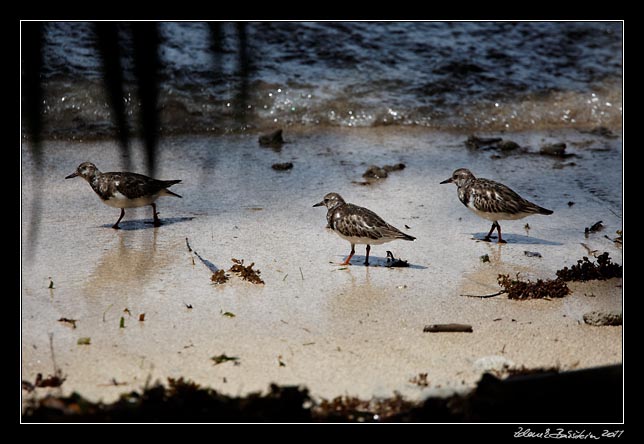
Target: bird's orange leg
353 250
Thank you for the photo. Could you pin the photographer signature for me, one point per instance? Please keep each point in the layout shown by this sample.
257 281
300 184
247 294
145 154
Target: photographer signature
566 434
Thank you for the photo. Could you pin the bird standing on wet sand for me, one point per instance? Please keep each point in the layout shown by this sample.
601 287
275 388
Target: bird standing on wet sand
125 190
492 200
358 225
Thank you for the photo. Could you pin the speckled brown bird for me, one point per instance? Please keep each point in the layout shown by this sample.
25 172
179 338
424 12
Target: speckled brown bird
492 200
358 225
125 190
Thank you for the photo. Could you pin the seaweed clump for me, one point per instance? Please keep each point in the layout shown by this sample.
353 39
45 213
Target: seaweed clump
541 289
219 277
585 270
351 409
246 272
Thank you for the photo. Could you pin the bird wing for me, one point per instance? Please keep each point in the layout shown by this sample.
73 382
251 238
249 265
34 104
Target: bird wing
362 222
133 185
494 197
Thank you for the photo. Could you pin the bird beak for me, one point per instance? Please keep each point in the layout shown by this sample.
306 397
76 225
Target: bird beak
74 174
319 204
447 181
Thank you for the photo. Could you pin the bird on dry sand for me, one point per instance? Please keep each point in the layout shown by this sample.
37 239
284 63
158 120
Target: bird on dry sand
358 225
125 190
492 200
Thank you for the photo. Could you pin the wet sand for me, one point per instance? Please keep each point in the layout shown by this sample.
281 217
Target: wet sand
336 330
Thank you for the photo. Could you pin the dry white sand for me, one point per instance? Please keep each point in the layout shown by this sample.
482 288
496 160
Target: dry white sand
354 331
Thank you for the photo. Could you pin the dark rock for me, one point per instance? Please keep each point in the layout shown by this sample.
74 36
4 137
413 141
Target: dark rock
603 132
602 318
554 149
479 142
507 145
282 166
272 139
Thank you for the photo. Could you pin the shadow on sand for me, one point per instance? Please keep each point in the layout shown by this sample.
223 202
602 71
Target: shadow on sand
376 261
143 224
516 239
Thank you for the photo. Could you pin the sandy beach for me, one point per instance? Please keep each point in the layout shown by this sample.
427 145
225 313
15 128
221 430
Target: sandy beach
337 330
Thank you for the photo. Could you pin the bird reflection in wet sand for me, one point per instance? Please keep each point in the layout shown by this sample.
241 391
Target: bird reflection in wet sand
492 200
127 268
358 225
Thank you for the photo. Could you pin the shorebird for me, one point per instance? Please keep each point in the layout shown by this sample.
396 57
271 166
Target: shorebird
492 200
125 190
358 225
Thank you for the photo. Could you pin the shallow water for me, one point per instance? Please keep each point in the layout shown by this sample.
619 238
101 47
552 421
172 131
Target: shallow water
442 75
355 331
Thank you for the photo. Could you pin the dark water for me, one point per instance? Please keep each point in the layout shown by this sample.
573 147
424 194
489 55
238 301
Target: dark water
443 75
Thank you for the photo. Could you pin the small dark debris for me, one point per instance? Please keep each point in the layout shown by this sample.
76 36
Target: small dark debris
420 380
223 358
517 289
532 253
219 277
600 318
50 381
142 317
188 306
72 322
407 227
51 284
114 383
282 166
83 341
396 167
585 270
448 328
246 272
122 322
570 203
273 139
55 380
279 360
227 314
597 226
523 371
375 172
393 262
485 258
